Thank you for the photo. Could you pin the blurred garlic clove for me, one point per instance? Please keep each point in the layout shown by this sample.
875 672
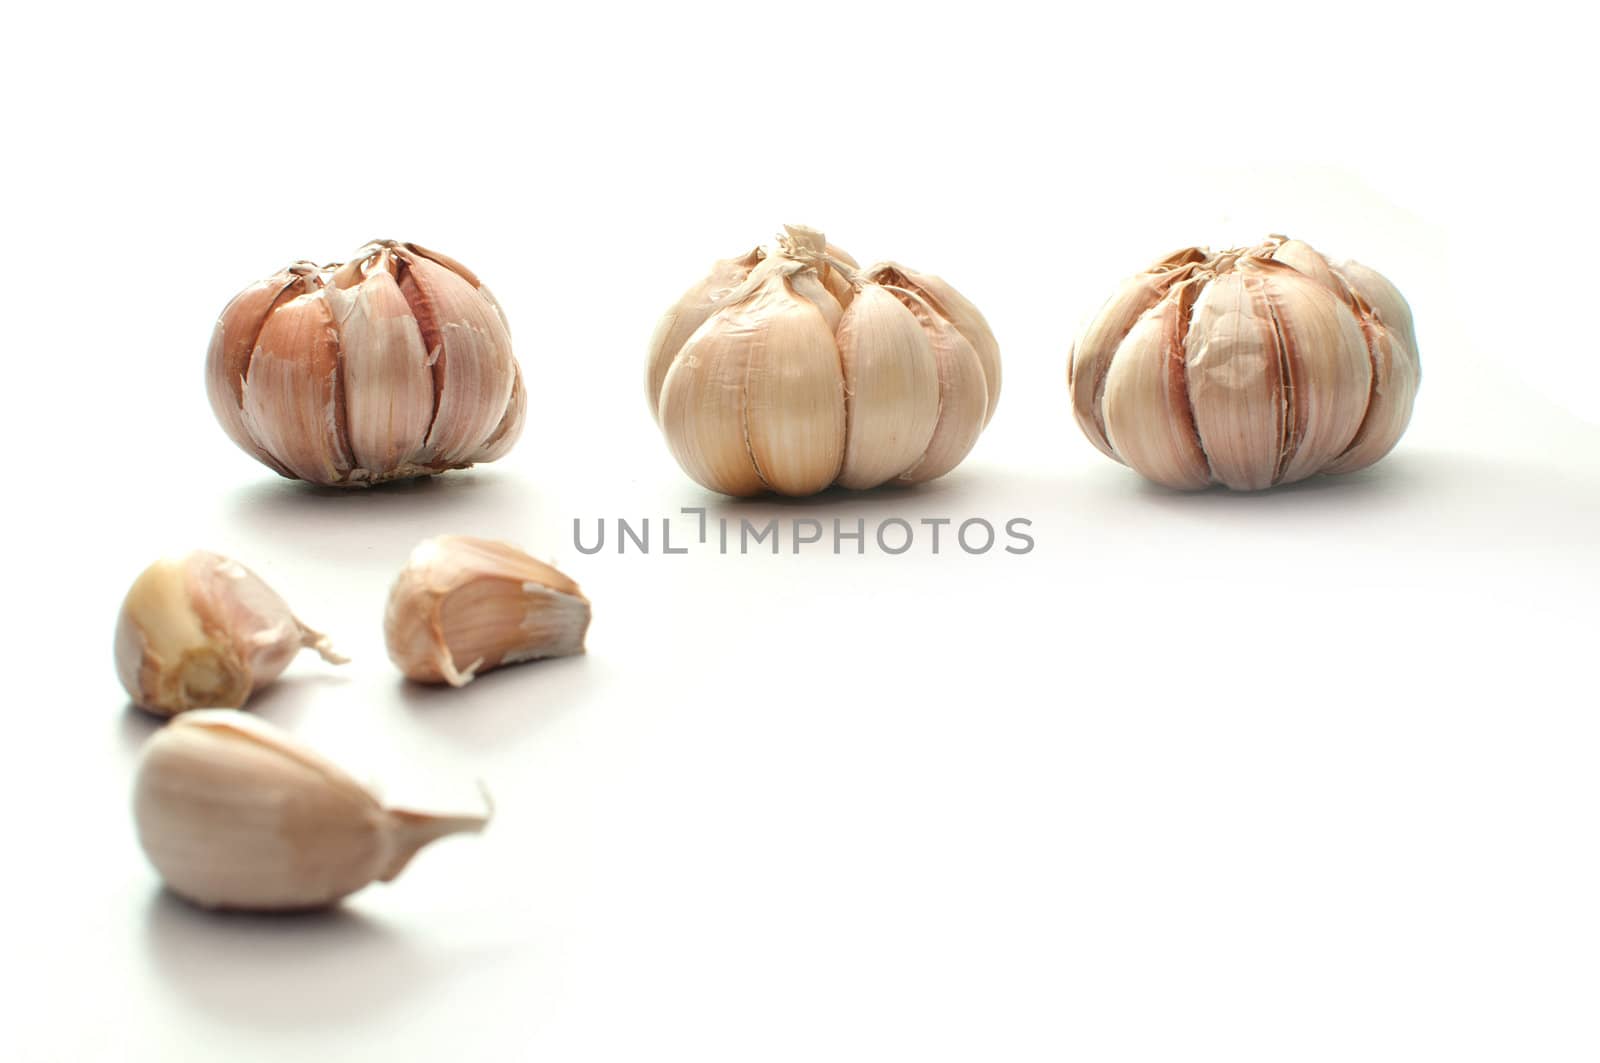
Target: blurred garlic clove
203 631
463 605
234 813
396 364
789 383
1251 368
891 384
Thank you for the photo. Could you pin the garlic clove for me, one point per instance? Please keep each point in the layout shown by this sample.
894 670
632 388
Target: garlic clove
960 312
236 814
1328 372
292 406
1235 372
203 631
1092 355
1146 407
388 381
794 403
510 429
891 386
233 342
1376 290
463 605
1395 378
703 403
1308 261
691 311
963 395
470 349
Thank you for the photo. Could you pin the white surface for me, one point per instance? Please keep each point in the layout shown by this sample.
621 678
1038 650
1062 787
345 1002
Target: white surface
1300 776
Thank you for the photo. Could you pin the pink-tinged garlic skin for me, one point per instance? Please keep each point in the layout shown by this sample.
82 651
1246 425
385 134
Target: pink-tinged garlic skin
202 631
463 605
790 370
1250 368
235 814
393 365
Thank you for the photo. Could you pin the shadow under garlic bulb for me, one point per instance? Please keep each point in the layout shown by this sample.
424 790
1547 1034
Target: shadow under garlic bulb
791 369
1250 368
396 364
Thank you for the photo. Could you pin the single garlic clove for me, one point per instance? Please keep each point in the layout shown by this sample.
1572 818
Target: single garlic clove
473 368
691 311
1394 391
291 391
510 429
1235 374
703 403
463 605
234 341
203 631
1328 372
960 312
234 813
963 393
891 385
387 378
1097 345
1146 408
1379 293
1306 260
795 404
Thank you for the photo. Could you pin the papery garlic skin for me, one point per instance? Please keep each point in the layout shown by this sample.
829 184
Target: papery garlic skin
462 606
202 631
393 365
1251 368
790 369
235 813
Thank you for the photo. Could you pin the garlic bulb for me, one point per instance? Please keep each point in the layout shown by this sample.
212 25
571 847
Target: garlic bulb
462 606
202 631
790 369
1250 368
234 813
393 365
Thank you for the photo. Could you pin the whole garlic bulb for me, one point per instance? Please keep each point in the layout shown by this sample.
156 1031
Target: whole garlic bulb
202 631
234 813
463 605
393 365
1251 368
789 369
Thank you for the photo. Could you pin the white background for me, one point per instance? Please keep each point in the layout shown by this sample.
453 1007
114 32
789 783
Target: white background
1301 776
